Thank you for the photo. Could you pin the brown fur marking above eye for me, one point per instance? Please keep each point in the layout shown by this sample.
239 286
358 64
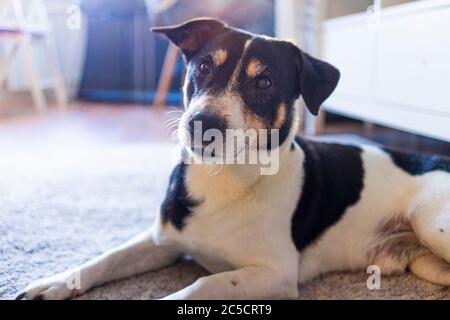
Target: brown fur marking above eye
396 245
254 68
219 57
281 117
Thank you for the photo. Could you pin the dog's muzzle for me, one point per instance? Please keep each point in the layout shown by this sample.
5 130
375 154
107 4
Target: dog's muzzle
201 122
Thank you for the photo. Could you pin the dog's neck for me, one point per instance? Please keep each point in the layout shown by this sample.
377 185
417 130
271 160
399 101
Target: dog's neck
232 181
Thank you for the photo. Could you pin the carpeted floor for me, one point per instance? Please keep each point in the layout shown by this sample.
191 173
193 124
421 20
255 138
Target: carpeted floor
60 207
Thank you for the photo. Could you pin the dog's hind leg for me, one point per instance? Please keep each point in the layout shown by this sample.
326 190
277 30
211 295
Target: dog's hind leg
431 268
138 255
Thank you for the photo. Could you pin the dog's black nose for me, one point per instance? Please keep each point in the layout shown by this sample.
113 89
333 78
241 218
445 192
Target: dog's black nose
204 121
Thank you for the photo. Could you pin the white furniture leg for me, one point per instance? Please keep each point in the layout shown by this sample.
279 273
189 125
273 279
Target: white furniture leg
314 125
299 20
59 87
36 89
314 12
4 67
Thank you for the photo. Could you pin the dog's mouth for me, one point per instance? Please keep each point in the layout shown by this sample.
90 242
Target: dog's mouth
210 138
210 149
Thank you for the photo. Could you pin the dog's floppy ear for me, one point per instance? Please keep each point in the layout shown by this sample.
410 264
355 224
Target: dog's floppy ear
192 35
317 78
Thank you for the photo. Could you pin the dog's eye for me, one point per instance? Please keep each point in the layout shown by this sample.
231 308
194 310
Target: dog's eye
263 83
205 67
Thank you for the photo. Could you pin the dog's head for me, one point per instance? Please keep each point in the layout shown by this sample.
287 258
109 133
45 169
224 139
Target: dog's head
238 80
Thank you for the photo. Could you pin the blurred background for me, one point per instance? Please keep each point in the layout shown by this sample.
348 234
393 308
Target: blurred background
72 54
89 98
106 51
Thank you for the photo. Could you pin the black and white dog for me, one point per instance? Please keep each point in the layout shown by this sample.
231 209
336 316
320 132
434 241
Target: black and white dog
329 207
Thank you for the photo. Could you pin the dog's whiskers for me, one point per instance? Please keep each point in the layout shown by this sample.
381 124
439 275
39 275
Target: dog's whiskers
171 125
172 119
174 112
171 122
170 129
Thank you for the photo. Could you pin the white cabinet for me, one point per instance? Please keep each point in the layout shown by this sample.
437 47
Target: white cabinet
398 73
355 80
413 60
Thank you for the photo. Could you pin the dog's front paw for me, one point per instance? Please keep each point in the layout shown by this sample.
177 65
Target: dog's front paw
59 287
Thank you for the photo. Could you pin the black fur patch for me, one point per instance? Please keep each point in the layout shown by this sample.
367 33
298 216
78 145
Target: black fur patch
286 72
262 103
333 181
177 205
284 77
215 82
418 164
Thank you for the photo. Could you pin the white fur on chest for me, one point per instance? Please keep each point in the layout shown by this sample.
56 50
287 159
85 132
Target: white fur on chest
241 221
244 222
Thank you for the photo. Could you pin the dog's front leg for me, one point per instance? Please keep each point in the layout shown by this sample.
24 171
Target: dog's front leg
244 283
138 255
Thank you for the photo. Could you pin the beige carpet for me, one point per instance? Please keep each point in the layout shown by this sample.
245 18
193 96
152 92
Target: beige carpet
60 207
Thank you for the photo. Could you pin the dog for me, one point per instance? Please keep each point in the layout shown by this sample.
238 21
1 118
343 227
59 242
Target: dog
329 207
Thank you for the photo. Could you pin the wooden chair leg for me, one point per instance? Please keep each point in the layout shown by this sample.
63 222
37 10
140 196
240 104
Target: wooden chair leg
314 125
59 86
36 89
165 78
4 67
